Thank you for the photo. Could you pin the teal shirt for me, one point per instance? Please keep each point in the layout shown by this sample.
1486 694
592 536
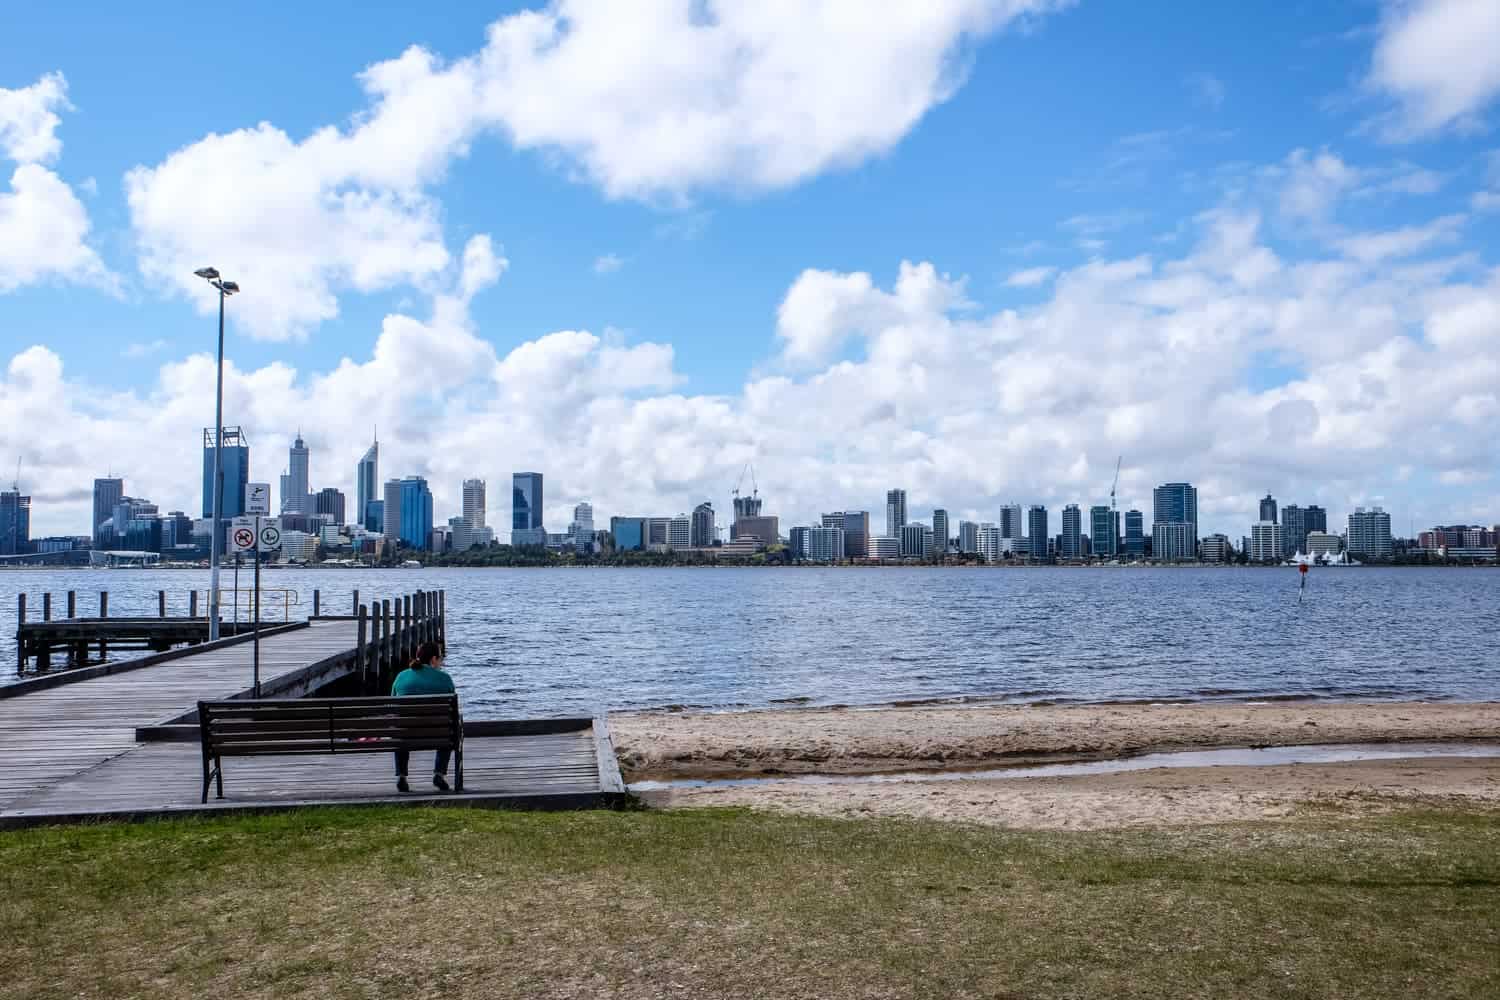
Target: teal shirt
427 680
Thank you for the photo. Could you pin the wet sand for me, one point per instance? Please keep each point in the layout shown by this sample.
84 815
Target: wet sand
667 746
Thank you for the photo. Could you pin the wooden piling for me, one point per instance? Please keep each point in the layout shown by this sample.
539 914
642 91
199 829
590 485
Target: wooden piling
356 602
443 621
20 646
411 636
47 606
72 604
193 604
386 652
161 604
316 597
359 646
103 613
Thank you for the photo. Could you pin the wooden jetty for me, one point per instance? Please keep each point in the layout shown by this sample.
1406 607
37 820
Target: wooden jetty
120 739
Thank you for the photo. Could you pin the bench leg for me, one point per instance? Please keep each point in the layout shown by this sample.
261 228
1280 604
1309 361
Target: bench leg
458 769
207 778
219 775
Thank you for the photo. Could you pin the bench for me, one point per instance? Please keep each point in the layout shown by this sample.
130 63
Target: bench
279 726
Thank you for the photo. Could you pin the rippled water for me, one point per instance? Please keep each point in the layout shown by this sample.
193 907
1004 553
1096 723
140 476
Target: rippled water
553 641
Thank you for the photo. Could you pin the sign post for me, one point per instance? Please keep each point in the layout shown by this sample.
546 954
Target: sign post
262 537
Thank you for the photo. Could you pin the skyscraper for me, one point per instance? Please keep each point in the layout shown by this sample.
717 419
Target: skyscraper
856 533
107 493
1268 509
583 525
474 504
526 509
825 544
416 512
940 532
914 540
367 483
1370 533
703 525
295 496
680 532
989 541
1266 545
1173 541
390 525
1104 540
1174 504
895 513
1011 525
968 537
330 501
1135 534
235 472
15 522
1072 532
1036 530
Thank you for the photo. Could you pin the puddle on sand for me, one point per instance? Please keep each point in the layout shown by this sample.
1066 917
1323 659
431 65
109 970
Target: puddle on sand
1328 753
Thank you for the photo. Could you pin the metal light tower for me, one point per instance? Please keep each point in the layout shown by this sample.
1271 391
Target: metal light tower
216 547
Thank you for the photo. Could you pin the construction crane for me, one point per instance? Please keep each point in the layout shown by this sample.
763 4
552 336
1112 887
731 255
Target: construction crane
749 506
1115 485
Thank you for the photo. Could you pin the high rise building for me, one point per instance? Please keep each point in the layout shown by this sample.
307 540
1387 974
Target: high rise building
1175 504
658 530
375 516
703 526
798 543
1216 548
1011 525
295 498
895 512
1173 541
15 522
834 520
1369 534
1072 532
856 533
416 512
1135 534
765 528
1321 543
1104 532
1315 518
107 493
1036 530
968 537
1266 544
629 533
825 544
367 485
914 540
583 526
940 537
1268 509
390 525
680 532
474 505
330 501
526 509
1293 529
988 538
882 548
235 472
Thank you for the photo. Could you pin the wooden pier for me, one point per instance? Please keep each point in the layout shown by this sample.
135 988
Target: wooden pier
120 739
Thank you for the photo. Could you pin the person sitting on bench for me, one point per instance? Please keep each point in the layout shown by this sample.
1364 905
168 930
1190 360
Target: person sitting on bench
424 676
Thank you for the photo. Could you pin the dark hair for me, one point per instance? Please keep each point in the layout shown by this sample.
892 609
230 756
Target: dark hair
426 653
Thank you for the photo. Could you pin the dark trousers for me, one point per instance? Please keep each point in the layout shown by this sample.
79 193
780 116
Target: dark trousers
439 763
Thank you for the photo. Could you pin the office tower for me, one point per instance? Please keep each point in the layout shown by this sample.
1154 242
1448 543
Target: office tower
1268 509
235 472
583 525
765 528
1104 532
703 526
375 516
176 530
1216 548
1173 541
834 520
367 485
1175 504
1266 544
1135 534
15 523
415 525
629 533
1036 530
390 525
940 537
107 493
1293 529
968 537
882 548
895 512
987 539
1316 518
1011 524
294 484
1369 534
526 509
929 543
1072 532
914 540
1321 543
474 505
330 502
798 542
825 544
856 533
680 532
657 530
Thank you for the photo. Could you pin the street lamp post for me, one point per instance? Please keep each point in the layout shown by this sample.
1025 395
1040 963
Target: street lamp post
216 546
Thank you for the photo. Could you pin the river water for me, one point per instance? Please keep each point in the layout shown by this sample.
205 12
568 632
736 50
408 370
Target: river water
534 642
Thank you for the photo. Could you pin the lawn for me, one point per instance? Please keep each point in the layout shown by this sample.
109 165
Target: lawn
387 903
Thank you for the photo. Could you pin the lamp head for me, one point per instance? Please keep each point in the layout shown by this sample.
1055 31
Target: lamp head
229 287
208 273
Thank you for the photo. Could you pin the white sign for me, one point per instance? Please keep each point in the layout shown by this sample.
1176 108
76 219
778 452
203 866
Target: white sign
242 534
270 538
258 498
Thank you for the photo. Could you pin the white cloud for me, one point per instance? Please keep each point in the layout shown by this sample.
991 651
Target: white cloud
1207 90
607 264
1435 59
1371 247
142 349
1030 277
44 228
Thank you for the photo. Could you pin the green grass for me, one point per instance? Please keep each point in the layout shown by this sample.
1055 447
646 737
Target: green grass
427 902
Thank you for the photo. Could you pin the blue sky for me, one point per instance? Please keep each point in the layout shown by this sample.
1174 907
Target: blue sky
638 248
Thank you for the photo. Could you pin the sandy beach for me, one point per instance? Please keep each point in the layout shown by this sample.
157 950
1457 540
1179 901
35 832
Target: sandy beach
852 742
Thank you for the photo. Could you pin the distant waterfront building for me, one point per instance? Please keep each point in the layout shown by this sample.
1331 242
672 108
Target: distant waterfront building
1072 532
657 531
526 509
914 540
1172 504
1266 544
703 534
1369 534
299 546
764 528
295 492
107 493
1173 541
375 517
367 485
1293 529
825 544
235 470
799 543
968 537
940 532
583 526
987 541
474 503
1135 534
1011 524
1216 548
390 525
629 533
834 520
330 501
856 533
895 512
1104 532
1036 530
1268 509
15 523
1321 543
460 535
415 527
882 548
680 532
